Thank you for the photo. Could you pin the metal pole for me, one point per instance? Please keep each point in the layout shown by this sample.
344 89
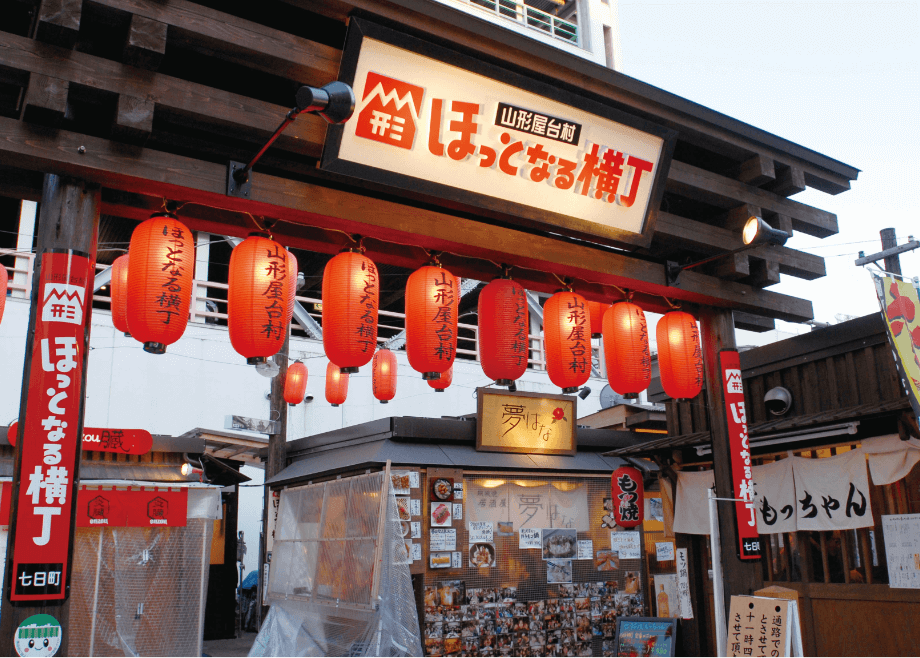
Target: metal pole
721 636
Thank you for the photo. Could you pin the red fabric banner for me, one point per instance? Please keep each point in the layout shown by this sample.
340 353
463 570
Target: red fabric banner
132 508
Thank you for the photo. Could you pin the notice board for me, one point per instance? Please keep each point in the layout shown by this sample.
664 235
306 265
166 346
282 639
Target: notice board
646 636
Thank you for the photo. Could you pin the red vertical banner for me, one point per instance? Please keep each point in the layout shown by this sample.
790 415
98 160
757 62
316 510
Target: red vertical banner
51 440
742 484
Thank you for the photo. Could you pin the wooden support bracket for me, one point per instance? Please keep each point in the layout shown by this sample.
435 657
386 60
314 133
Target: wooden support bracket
59 22
756 171
46 100
133 119
145 45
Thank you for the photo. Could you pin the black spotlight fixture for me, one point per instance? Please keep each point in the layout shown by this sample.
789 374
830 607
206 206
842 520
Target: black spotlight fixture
335 102
584 392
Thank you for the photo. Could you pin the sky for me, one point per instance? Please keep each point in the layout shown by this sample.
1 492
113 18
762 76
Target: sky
840 78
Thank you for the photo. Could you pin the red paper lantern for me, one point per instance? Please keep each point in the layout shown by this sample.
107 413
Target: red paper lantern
119 292
597 310
4 285
504 324
295 383
336 385
442 382
629 364
351 297
628 498
680 359
566 328
384 375
432 297
260 296
161 263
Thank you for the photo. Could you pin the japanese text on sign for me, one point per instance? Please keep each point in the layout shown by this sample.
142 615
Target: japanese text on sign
519 423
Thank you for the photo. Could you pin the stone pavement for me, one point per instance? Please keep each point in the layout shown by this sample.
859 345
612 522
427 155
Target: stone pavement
236 647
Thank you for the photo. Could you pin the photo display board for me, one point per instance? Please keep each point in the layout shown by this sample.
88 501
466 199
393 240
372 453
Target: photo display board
531 572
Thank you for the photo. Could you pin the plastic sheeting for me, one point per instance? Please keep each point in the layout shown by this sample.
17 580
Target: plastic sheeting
331 591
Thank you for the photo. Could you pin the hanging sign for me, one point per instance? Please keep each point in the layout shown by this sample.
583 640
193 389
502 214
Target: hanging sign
743 486
126 442
627 491
774 495
132 508
534 423
450 126
42 530
901 312
832 493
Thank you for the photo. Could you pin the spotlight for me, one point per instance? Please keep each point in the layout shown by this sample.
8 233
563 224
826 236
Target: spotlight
584 392
756 231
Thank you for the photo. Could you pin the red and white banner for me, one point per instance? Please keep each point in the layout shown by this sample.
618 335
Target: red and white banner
132 508
742 483
42 528
125 442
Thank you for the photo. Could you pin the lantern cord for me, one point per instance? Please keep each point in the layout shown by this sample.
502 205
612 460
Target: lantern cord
669 302
173 206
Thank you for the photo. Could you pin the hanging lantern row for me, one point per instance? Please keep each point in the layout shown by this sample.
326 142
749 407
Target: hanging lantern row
295 383
597 310
260 297
567 332
629 363
504 324
351 297
384 375
336 385
119 293
680 357
442 382
432 300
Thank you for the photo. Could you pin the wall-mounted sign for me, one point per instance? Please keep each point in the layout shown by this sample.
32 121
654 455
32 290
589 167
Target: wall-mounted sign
246 424
42 531
746 520
534 423
126 442
452 127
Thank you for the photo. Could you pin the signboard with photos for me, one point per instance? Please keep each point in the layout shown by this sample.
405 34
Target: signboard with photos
453 127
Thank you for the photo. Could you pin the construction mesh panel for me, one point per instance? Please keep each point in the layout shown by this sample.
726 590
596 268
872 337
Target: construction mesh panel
331 591
524 604
140 591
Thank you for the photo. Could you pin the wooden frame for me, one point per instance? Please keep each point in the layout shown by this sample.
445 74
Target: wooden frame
528 216
486 447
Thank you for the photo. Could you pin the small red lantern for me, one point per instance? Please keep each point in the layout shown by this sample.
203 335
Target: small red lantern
295 383
119 291
260 296
384 375
628 498
336 385
351 297
161 263
629 364
504 324
4 285
442 382
680 359
432 298
566 328
597 310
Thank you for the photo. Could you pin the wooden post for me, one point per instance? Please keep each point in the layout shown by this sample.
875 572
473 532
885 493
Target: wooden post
738 576
69 219
274 463
892 263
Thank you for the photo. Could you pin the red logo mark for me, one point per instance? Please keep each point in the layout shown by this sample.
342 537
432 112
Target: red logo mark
391 111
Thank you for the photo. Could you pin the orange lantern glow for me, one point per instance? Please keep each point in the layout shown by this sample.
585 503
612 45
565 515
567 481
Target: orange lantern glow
119 291
629 364
351 297
295 383
442 382
336 385
680 358
566 328
432 297
260 296
597 310
504 324
4 285
384 375
161 263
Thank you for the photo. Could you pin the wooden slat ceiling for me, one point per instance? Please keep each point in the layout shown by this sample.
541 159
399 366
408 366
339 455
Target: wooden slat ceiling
161 95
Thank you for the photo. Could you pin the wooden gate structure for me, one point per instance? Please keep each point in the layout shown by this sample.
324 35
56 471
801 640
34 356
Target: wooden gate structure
124 104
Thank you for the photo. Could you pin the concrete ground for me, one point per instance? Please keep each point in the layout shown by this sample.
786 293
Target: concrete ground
236 647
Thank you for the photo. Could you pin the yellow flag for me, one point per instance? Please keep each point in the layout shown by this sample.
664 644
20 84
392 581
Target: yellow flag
901 311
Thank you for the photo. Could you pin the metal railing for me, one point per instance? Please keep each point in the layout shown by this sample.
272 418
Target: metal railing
531 17
212 294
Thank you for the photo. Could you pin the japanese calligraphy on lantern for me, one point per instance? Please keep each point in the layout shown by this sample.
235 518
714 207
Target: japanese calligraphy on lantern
429 123
742 478
51 437
525 422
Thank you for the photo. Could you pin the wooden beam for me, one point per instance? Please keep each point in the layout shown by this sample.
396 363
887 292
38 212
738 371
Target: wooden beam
789 181
146 43
540 258
46 100
717 190
238 40
186 100
755 171
59 22
763 272
754 323
133 119
733 267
